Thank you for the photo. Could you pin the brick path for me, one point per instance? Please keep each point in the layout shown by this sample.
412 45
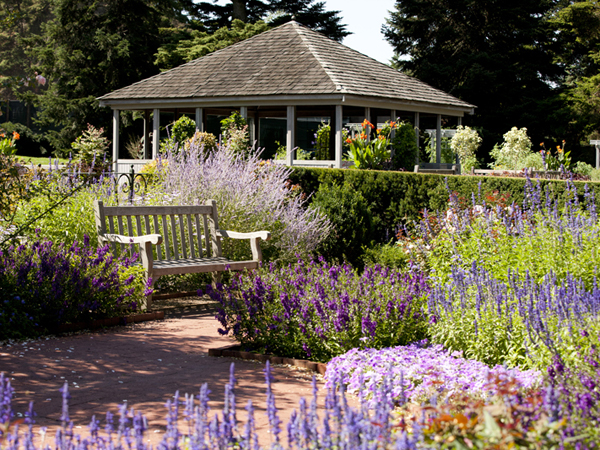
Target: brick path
142 364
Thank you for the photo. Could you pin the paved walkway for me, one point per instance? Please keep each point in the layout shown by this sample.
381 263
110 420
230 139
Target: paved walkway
142 364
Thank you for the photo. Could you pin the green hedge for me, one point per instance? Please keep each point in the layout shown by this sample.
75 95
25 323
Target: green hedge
396 198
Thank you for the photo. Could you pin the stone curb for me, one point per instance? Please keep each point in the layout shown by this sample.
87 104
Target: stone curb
110 322
233 351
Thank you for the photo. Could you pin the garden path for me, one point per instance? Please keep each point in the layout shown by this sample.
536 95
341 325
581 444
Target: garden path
142 364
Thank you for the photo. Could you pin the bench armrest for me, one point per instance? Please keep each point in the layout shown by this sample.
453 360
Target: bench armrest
254 237
264 235
155 239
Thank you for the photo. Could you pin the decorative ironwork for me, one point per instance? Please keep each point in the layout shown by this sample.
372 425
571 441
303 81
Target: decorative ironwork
133 183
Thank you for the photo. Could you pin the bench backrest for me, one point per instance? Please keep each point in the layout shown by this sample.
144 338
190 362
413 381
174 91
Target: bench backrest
187 231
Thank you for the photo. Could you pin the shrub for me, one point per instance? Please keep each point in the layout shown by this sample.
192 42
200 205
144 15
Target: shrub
251 195
183 129
43 285
465 143
387 255
234 130
515 148
90 149
314 310
350 218
63 209
405 147
397 199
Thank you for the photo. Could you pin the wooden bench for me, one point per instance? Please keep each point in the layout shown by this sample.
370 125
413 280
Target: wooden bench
173 239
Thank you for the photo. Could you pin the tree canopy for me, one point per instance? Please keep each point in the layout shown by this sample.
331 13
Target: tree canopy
494 54
276 12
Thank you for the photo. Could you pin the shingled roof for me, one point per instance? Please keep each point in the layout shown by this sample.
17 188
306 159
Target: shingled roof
289 60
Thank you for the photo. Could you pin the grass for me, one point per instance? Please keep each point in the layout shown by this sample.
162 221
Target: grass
28 160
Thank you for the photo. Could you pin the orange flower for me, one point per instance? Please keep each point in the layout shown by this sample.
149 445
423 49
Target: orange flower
366 124
392 124
2 135
363 136
541 144
381 138
564 142
378 130
348 141
16 136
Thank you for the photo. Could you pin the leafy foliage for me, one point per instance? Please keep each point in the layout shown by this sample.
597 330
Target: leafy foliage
319 311
351 222
465 143
496 56
43 285
90 149
251 195
405 147
189 44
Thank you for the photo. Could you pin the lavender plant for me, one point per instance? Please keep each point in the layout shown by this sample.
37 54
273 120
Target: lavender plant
516 421
251 195
43 285
503 238
316 310
521 322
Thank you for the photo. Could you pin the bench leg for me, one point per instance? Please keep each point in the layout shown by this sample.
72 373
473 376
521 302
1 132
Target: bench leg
151 287
216 277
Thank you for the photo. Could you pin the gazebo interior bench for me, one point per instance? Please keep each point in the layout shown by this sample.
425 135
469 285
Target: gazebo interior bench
173 239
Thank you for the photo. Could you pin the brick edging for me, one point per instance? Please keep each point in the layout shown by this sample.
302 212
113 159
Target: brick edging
233 351
110 322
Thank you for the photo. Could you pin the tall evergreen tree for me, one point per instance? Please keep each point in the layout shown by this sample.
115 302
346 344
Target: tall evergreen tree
93 47
496 54
20 22
275 12
578 35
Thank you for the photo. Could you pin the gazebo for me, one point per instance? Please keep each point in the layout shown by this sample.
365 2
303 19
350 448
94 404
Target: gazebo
281 81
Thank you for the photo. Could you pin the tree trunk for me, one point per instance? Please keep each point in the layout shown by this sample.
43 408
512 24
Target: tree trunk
239 10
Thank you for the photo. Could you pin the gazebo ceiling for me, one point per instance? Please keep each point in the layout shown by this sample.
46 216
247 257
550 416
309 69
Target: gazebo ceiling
288 65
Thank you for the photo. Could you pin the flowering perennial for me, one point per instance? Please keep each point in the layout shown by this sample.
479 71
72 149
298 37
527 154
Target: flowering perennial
251 195
418 373
315 310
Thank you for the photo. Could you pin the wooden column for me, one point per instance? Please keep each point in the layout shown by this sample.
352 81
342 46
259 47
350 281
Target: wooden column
393 133
417 127
244 112
115 156
460 121
155 133
199 120
290 140
368 117
339 136
147 152
438 140
596 143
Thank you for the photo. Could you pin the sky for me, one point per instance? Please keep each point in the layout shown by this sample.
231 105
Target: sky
364 19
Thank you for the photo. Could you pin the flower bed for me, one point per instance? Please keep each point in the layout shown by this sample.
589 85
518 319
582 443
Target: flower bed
315 310
418 373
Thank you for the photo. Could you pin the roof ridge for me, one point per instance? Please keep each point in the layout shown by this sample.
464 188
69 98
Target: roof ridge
315 53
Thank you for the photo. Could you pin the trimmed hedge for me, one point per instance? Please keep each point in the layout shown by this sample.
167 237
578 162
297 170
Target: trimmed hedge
397 198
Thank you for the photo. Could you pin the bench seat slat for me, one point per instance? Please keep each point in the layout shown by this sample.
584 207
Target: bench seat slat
200 265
